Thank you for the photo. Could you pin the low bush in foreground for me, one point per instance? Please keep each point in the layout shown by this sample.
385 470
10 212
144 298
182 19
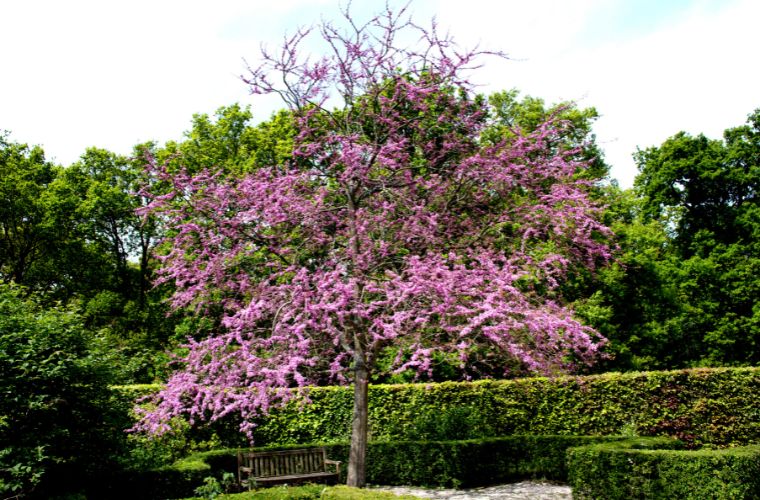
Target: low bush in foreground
624 470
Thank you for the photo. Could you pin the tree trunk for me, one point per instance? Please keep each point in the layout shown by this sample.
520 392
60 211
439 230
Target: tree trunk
358 454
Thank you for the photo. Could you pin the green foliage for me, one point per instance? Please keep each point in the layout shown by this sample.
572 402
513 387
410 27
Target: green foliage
472 463
510 113
132 323
316 492
141 452
304 492
635 302
212 487
699 406
682 291
57 425
633 469
348 493
230 143
72 236
452 423
420 463
29 224
718 406
685 293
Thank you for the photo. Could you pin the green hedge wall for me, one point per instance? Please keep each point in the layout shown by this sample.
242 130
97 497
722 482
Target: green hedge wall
613 471
700 406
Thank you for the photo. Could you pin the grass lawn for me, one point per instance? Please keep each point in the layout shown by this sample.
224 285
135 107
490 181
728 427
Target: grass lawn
314 491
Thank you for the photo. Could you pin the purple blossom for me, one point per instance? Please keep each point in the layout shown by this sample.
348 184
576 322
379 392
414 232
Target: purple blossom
395 229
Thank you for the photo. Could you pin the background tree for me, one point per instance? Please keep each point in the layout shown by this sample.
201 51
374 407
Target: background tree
685 292
634 302
707 192
123 307
391 226
70 235
27 228
510 113
231 143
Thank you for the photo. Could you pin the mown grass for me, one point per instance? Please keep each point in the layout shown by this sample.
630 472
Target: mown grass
314 492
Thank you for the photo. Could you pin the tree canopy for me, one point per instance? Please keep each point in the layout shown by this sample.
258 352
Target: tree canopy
392 227
685 290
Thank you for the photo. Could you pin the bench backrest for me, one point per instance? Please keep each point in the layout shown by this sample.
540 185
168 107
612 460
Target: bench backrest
286 462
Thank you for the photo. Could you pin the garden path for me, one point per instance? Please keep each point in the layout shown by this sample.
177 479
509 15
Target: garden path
526 490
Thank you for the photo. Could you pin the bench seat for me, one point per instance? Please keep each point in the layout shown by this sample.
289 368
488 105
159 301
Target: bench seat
268 468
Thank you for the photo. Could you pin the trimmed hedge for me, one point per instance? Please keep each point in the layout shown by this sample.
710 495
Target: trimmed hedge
467 463
719 406
614 471
472 463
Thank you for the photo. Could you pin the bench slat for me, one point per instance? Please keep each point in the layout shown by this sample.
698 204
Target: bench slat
270 467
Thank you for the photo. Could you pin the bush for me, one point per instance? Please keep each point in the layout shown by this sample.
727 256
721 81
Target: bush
623 470
58 425
701 406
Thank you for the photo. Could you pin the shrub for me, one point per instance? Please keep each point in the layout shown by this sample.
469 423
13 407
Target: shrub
472 463
624 470
58 425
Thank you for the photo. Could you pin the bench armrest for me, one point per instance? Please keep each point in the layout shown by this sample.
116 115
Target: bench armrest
336 463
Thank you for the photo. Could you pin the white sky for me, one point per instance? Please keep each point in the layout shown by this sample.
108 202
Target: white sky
81 73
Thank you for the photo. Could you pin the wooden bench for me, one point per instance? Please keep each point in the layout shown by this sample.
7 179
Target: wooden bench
267 468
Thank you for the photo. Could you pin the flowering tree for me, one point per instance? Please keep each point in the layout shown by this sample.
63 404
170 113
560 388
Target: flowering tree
390 227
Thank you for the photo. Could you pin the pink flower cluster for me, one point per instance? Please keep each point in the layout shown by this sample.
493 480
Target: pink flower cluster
392 227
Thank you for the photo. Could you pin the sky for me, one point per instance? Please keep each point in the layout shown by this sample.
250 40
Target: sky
108 74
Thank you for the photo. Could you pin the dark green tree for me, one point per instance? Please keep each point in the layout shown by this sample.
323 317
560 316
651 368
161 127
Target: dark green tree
128 312
42 246
685 291
26 228
635 302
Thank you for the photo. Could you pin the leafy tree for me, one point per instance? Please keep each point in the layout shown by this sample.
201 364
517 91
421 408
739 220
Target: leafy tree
103 186
45 243
509 114
686 290
27 229
635 301
392 227
54 408
707 191
229 142
71 235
